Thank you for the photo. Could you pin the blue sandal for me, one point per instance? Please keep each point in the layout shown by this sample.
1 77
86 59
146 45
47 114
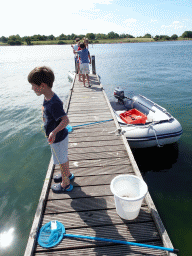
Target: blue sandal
57 188
58 177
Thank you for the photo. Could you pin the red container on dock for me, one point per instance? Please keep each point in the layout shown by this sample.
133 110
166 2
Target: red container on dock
133 116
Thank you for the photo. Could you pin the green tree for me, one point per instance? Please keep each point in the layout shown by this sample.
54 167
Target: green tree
62 37
187 34
112 35
27 39
147 36
101 36
156 38
38 38
90 36
122 36
129 36
174 37
4 39
51 37
14 40
164 37
81 36
73 36
68 37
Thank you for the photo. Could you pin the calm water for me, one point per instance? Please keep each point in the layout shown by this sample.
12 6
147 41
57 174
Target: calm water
160 71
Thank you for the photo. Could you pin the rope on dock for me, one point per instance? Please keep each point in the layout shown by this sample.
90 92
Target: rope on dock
70 128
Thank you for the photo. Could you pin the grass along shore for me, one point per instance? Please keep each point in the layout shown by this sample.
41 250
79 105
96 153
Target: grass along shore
100 41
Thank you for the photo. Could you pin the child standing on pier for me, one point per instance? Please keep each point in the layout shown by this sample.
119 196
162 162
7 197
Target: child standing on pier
55 122
75 48
85 59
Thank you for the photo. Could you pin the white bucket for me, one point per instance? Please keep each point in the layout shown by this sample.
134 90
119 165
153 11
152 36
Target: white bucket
129 192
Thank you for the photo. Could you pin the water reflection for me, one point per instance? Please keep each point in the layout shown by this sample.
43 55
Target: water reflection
156 159
6 238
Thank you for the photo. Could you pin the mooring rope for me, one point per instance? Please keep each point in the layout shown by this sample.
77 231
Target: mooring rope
97 122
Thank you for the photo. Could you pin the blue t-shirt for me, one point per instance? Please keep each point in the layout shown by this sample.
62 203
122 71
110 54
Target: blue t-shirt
53 111
84 55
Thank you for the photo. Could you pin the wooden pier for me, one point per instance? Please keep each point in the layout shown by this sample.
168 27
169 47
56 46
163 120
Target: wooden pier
96 155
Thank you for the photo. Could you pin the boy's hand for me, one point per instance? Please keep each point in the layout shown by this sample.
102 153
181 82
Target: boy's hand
42 114
51 138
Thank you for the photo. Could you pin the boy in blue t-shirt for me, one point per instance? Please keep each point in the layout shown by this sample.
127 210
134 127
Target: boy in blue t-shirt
55 122
85 59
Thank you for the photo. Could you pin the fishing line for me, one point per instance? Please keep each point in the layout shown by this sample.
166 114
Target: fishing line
70 128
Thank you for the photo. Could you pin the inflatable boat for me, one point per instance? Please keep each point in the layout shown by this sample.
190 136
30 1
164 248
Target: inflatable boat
71 75
143 122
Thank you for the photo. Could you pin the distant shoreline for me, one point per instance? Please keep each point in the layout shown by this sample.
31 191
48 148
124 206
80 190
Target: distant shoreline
103 41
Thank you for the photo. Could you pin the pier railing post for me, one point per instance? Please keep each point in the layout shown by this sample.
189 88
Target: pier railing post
93 64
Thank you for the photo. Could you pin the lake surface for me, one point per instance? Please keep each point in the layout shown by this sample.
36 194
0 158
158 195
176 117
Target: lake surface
159 71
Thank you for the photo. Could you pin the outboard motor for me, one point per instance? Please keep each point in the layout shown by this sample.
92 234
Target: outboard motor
122 99
119 94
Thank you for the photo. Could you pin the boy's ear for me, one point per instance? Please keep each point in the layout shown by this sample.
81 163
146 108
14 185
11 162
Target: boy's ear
43 85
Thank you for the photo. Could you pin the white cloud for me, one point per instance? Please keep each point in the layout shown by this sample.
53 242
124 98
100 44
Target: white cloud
104 1
131 20
175 25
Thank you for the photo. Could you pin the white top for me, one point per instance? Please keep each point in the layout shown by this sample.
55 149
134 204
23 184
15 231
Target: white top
75 47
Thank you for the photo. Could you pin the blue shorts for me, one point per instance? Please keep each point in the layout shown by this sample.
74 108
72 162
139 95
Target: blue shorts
59 151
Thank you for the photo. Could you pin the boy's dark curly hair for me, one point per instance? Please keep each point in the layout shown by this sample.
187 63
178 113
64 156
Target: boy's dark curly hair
41 75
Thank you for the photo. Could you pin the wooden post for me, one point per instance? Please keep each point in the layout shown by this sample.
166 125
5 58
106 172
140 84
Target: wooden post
93 64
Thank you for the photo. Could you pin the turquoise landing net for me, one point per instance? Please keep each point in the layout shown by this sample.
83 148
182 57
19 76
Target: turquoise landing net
49 237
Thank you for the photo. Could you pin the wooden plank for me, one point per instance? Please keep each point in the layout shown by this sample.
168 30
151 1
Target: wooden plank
79 192
131 232
99 163
79 114
80 204
112 250
109 149
89 100
99 170
78 107
94 180
115 161
83 144
97 155
85 204
94 130
95 218
103 139
89 119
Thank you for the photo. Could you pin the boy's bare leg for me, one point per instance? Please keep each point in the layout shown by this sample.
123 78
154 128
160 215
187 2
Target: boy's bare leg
80 75
65 174
83 79
88 79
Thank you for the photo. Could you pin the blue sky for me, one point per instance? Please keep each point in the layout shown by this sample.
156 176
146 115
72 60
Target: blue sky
135 17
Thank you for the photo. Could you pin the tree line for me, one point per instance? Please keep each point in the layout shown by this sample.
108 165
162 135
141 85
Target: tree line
17 40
